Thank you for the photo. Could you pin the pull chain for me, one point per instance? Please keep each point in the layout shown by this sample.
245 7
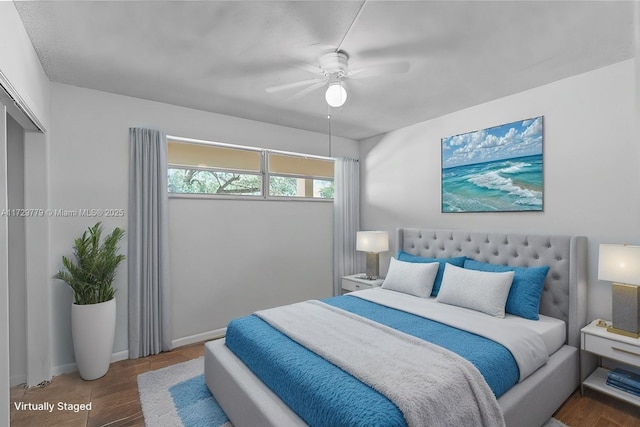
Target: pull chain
329 120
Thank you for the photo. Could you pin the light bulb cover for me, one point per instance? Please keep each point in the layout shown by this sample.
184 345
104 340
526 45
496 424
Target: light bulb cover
336 95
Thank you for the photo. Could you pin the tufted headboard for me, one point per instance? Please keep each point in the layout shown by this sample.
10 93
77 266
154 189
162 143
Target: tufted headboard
565 289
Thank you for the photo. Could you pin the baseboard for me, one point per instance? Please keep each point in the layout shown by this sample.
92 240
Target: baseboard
63 369
15 380
71 367
205 336
122 355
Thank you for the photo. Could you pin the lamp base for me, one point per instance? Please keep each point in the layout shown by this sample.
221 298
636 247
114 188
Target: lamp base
625 310
622 332
373 265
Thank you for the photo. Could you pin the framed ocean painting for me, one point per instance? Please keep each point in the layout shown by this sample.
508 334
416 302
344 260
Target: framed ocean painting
499 169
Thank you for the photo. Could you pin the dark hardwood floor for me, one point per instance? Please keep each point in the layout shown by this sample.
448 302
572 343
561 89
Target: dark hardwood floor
114 397
115 402
595 409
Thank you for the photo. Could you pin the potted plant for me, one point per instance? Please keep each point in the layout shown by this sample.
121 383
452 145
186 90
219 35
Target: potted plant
93 313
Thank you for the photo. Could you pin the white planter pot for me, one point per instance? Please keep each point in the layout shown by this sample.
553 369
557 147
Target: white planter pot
93 327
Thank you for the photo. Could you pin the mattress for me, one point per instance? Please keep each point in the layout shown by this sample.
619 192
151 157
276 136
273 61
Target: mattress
274 363
553 331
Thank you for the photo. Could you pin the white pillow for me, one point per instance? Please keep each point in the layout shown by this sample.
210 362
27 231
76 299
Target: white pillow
478 290
411 278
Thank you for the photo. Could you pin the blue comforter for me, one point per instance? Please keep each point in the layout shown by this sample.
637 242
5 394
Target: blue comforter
297 375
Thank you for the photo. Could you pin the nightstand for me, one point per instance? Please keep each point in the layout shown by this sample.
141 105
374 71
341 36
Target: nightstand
595 339
353 283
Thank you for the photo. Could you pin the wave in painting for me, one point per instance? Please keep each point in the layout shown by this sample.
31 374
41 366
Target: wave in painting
503 185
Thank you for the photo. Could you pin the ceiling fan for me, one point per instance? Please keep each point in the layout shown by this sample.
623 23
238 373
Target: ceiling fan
332 71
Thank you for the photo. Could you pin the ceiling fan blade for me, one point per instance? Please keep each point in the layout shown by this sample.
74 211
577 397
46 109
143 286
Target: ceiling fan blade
305 91
279 88
313 69
380 69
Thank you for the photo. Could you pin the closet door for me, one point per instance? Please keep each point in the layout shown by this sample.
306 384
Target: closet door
16 253
4 275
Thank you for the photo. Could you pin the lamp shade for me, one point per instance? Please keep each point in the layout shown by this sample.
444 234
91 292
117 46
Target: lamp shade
336 95
372 241
619 263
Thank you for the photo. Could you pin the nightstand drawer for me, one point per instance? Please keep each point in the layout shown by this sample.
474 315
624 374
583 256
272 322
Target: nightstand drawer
613 349
350 285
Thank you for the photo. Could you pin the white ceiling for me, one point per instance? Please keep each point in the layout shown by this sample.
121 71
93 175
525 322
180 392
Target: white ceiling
220 56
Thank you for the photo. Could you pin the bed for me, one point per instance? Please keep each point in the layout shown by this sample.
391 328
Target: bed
530 402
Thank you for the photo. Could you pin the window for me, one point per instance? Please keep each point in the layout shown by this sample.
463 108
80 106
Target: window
232 171
211 169
297 176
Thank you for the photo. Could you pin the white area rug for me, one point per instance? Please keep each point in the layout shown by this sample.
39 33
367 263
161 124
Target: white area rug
554 423
177 396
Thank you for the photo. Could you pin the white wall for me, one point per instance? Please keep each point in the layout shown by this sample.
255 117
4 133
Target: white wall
230 258
20 65
591 167
227 257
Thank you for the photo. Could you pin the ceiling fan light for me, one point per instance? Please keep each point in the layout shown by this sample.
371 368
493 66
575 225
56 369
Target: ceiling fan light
336 95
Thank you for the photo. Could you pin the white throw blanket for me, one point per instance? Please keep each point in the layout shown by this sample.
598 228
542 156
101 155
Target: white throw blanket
432 386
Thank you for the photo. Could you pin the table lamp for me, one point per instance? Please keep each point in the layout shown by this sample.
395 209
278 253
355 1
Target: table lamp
620 264
372 242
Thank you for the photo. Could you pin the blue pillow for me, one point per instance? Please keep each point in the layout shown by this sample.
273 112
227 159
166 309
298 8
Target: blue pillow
526 290
458 262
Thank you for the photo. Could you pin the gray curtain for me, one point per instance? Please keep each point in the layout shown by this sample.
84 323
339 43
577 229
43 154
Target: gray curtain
148 235
346 219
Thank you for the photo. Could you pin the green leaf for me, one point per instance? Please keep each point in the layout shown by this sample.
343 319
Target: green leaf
92 274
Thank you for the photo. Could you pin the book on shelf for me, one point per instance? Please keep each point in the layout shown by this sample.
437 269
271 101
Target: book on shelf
624 376
623 387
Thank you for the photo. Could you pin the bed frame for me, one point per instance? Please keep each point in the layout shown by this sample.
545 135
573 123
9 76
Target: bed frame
248 402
